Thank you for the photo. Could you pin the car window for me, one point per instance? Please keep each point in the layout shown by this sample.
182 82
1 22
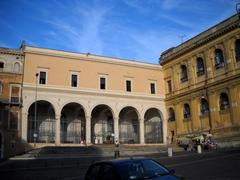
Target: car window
108 173
150 165
139 169
93 172
130 170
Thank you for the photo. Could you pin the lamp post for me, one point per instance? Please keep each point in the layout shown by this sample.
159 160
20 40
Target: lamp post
35 118
238 12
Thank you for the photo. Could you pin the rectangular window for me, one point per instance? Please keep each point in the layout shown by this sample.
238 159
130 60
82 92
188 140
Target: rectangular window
42 78
169 84
74 80
152 87
128 86
15 94
13 124
1 65
102 83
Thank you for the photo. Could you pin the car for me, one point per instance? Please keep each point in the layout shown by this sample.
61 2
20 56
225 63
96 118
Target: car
129 169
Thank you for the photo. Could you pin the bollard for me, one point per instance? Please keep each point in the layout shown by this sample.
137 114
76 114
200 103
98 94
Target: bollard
169 152
199 149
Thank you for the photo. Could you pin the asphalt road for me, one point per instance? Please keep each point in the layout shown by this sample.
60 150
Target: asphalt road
217 165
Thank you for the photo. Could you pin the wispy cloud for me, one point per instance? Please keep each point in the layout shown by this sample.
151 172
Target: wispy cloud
82 33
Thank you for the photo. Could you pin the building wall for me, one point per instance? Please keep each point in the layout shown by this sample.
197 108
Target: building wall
222 123
10 102
58 90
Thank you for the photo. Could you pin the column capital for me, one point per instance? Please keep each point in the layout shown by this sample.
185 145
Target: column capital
58 116
141 119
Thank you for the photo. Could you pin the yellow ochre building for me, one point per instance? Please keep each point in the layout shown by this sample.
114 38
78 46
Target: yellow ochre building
202 83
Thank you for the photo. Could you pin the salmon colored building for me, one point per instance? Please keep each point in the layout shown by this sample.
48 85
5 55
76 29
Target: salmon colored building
72 98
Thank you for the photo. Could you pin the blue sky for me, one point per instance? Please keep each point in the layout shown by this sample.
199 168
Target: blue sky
130 29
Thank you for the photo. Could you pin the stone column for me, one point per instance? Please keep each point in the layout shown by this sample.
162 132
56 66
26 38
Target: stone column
141 129
58 130
88 129
24 126
116 128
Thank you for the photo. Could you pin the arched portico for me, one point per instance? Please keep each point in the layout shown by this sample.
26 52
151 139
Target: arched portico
129 125
73 124
102 129
41 122
153 126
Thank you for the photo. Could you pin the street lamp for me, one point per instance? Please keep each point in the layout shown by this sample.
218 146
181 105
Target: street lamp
35 118
238 12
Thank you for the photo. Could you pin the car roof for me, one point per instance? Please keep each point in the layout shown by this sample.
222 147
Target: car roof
121 160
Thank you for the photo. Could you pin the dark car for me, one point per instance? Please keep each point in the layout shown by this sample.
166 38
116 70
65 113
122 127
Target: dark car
129 169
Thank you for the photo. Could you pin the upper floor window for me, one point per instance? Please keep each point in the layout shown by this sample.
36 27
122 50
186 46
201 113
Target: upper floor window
200 66
153 88
171 114
42 77
186 111
204 106
15 93
1 65
74 80
102 83
237 50
16 67
184 75
219 59
169 85
128 85
224 101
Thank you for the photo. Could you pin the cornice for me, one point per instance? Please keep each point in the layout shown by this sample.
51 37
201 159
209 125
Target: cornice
201 39
90 57
11 51
93 92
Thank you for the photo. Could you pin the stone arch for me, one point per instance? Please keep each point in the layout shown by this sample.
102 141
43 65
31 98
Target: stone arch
153 126
102 129
73 123
41 122
32 101
129 125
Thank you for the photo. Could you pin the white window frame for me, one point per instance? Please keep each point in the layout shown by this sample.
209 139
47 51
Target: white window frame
155 87
43 70
10 91
13 66
77 74
106 81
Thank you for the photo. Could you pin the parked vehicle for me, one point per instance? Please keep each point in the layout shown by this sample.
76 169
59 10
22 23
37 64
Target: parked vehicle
129 169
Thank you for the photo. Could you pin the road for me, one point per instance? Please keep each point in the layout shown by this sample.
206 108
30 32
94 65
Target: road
217 165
